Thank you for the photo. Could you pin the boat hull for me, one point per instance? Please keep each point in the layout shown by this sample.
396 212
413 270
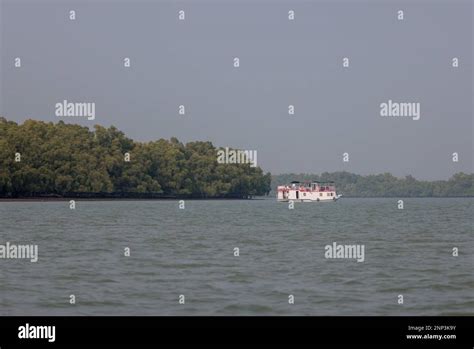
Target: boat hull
329 199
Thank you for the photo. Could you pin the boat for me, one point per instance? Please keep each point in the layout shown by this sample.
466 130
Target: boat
308 192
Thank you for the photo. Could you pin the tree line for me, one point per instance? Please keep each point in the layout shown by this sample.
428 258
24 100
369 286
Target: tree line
385 185
59 159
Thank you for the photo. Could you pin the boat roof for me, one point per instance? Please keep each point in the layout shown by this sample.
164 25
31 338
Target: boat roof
317 182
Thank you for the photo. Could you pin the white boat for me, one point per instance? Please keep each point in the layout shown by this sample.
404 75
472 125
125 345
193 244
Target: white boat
308 192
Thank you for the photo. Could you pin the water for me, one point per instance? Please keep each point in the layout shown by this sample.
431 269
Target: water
190 252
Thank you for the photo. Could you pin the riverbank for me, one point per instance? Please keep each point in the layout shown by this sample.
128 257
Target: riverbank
259 198
54 199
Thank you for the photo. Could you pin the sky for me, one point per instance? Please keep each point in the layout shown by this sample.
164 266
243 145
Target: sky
282 63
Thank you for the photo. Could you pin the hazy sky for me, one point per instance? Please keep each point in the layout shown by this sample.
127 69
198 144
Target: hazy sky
282 62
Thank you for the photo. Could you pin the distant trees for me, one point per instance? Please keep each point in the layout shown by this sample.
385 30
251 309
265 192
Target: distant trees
386 185
64 159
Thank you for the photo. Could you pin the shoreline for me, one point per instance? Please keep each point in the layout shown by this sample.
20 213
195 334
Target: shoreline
40 199
260 198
